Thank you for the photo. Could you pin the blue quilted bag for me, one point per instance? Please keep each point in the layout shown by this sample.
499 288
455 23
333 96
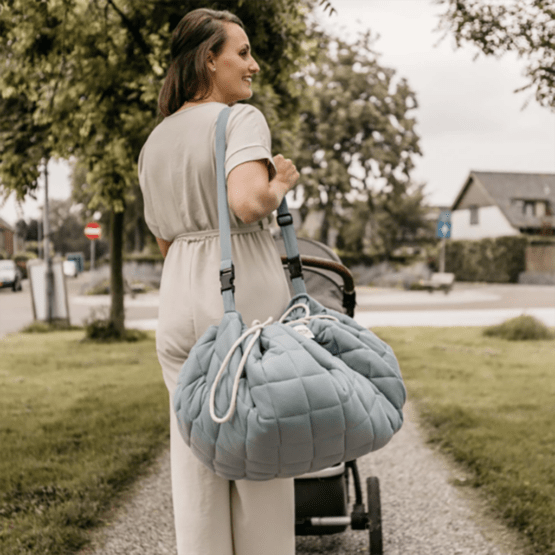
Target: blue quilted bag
280 399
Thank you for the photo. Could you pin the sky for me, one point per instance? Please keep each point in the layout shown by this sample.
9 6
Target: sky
468 116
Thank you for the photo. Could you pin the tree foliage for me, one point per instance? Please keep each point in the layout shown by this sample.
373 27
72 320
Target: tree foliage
82 78
526 27
357 142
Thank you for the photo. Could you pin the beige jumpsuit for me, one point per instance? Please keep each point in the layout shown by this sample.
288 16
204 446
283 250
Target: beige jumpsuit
177 174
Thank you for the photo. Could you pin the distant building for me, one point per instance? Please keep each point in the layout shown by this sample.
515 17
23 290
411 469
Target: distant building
7 233
496 204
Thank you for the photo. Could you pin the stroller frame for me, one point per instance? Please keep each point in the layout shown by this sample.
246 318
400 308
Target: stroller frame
322 498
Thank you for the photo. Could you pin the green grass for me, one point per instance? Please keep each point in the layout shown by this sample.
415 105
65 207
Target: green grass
491 404
78 423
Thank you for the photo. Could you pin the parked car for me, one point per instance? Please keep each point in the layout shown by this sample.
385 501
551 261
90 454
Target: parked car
10 275
70 268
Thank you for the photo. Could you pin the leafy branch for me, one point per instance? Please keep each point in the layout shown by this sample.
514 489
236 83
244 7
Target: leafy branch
327 6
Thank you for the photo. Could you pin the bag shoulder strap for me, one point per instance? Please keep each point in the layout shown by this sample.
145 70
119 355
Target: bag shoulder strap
285 220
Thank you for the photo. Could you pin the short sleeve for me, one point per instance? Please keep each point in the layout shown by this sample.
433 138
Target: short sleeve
149 200
248 138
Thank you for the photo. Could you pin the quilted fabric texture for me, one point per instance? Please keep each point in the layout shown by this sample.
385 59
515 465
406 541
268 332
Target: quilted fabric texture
303 404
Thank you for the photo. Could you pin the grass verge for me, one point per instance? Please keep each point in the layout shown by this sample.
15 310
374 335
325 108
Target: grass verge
491 404
78 423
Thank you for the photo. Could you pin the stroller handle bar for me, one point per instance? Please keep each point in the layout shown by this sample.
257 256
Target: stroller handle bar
349 295
324 264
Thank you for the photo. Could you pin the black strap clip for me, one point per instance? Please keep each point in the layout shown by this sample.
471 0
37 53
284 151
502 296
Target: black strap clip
227 277
295 267
284 219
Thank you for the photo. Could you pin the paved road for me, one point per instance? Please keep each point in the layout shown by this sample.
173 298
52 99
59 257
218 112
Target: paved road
16 309
466 305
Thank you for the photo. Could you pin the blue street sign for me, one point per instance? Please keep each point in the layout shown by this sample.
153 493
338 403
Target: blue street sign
444 225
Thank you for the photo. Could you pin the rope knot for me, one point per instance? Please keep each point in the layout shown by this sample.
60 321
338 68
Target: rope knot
255 330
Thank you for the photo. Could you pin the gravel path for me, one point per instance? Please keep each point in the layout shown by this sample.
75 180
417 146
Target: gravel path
423 511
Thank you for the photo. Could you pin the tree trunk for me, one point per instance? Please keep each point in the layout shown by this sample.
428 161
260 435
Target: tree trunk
116 272
324 230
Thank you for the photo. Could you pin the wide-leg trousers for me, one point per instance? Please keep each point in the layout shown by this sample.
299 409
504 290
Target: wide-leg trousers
214 516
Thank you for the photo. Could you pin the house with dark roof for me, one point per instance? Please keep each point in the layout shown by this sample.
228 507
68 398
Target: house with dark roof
496 204
6 238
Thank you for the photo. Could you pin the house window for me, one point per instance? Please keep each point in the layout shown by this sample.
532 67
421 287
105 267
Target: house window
474 215
529 208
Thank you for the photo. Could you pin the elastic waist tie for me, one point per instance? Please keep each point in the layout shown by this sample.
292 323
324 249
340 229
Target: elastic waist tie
251 228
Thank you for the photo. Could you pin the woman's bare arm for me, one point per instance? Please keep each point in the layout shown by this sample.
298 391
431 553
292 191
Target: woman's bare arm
251 194
164 246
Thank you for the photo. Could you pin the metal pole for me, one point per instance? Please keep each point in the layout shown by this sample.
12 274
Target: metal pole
47 258
39 239
442 256
92 254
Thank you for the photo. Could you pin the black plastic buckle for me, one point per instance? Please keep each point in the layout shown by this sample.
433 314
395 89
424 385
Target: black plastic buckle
295 267
284 219
227 277
349 302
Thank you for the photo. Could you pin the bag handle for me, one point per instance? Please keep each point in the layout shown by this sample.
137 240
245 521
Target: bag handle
285 220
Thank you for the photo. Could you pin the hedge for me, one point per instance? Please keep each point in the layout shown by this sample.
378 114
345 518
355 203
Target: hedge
498 260
144 258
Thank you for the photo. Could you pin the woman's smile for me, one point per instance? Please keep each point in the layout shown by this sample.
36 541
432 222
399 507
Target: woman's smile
235 63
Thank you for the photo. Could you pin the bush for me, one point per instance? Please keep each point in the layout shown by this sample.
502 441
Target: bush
499 260
102 288
148 258
521 328
103 331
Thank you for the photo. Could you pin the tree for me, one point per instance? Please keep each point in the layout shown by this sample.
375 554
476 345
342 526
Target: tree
526 27
23 146
357 139
88 72
67 228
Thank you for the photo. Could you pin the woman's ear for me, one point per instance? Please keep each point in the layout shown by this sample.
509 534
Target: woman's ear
211 63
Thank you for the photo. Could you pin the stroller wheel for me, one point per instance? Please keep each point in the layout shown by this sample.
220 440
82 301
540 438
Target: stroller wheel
374 516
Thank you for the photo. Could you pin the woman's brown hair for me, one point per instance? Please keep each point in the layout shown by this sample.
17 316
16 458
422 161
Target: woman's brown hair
198 33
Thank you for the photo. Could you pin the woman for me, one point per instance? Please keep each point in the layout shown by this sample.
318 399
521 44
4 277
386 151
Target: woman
212 66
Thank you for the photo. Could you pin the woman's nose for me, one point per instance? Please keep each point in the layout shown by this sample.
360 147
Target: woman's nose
255 68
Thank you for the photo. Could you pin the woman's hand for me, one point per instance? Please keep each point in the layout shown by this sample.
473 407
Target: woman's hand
287 174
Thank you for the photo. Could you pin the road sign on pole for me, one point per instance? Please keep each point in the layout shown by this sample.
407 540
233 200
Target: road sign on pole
443 233
444 226
92 232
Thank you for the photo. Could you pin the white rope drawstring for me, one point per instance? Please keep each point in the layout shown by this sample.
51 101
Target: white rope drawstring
305 319
255 329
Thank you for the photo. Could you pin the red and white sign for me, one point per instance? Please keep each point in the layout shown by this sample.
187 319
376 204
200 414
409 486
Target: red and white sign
92 230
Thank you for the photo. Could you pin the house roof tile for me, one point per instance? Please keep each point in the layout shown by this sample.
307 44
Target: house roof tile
506 189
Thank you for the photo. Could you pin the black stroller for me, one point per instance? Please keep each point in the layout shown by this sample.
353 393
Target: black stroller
322 498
